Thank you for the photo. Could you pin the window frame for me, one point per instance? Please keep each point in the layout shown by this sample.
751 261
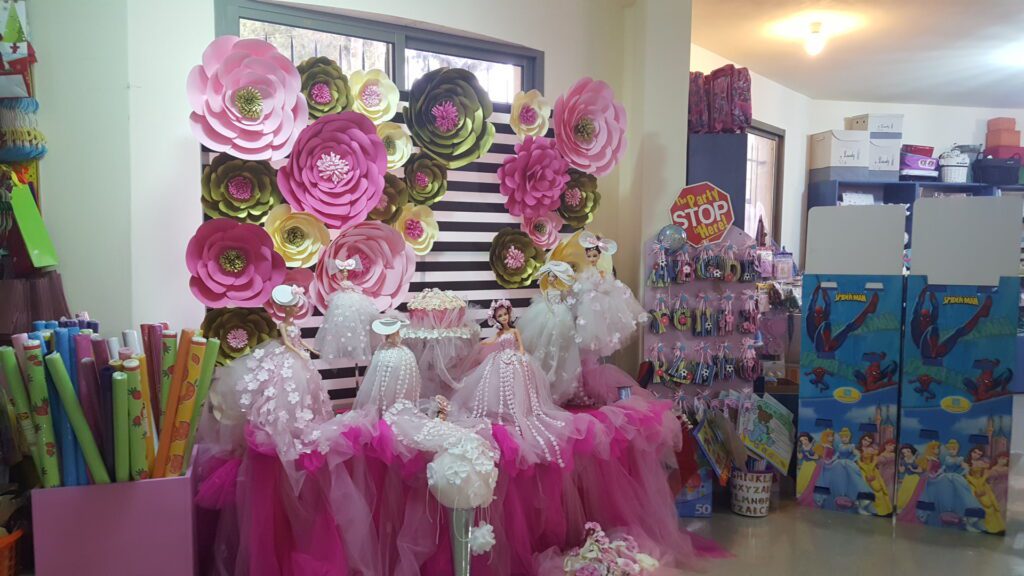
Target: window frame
228 13
766 130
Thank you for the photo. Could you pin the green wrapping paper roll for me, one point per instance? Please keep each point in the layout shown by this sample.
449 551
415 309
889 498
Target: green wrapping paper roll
21 403
138 422
122 454
90 452
46 445
168 354
205 377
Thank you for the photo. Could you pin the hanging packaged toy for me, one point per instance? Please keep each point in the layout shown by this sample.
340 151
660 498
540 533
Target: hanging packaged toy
709 264
732 270
704 374
750 367
679 370
749 314
726 317
657 360
765 262
684 272
725 365
705 321
660 317
681 315
749 265
783 265
659 276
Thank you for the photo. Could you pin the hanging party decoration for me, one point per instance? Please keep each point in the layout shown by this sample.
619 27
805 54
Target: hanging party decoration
374 95
590 127
239 330
232 264
246 100
397 144
336 171
426 179
532 181
530 112
418 226
704 212
514 258
447 116
396 195
297 236
579 199
325 87
245 190
543 229
387 264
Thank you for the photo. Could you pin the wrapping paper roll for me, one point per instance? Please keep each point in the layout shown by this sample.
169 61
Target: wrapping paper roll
147 402
19 396
66 445
106 404
203 390
40 398
122 454
90 452
131 341
99 351
168 355
138 421
124 353
113 345
170 416
71 365
89 396
151 342
179 438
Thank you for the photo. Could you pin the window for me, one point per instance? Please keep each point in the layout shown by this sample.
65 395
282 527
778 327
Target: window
764 180
404 53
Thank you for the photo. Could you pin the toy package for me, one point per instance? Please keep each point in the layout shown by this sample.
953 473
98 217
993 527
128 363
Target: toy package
959 355
849 377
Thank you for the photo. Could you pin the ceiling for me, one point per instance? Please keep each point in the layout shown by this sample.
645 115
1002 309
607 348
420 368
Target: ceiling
951 52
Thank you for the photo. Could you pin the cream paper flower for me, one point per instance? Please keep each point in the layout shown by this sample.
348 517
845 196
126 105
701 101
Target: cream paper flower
374 95
418 226
530 113
397 144
298 236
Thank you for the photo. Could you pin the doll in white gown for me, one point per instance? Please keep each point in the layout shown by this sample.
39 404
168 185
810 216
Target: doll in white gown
508 387
607 314
393 375
345 333
548 330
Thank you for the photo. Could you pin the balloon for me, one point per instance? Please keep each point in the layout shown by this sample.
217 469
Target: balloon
672 237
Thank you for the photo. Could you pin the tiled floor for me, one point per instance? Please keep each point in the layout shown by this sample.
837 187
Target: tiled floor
796 541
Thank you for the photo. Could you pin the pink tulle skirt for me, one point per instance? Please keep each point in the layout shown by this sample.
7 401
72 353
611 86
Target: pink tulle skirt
364 508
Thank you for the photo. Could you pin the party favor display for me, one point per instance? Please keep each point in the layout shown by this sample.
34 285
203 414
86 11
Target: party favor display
849 377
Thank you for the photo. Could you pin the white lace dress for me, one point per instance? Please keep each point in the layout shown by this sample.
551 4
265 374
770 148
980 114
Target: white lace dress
548 331
345 333
393 376
607 314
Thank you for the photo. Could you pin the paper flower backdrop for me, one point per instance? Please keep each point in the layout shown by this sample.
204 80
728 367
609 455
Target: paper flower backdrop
447 116
418 226
232 264
246 100
239 330
532 180
530 112
387 262
514 258
374 95
241 189
396 195
543 229
336 171
298 277
325 87
426 178
590 127
580 199
297 236
397 144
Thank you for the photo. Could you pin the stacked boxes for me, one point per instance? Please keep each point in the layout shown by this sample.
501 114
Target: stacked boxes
838 155
885 136
1003 141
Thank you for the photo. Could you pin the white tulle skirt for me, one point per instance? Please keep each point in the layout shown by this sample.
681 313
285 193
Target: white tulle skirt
607 314
393 376
548 332
345 333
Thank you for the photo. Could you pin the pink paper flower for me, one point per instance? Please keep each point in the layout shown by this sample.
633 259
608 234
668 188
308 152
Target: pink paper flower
590 127
232 264
543 229
387 263
336 171
246 100
533 179
301 278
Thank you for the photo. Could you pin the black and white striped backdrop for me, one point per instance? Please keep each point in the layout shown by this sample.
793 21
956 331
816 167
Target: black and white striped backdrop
469 215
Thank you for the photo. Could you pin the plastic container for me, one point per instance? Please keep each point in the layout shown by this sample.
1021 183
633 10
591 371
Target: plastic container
917 162
9 554
997 171
919 150
751 493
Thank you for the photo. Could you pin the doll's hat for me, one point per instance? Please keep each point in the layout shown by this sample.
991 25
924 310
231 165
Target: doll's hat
388 326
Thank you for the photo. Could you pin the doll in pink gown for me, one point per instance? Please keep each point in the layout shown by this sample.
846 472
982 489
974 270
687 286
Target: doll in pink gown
345 333
509 387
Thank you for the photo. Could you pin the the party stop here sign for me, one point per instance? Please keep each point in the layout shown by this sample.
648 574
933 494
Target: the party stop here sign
704 212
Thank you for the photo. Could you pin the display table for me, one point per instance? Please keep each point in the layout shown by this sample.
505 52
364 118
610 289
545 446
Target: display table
364 507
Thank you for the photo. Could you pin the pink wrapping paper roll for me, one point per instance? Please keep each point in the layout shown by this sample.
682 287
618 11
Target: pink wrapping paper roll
99 351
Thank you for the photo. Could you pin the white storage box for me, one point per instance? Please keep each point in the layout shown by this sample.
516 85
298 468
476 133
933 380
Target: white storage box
884 154
834 148
876 123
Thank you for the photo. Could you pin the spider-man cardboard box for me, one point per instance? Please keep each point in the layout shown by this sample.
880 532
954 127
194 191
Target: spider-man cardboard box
849 391
959 354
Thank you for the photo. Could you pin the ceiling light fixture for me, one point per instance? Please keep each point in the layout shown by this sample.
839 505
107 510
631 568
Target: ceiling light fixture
816 40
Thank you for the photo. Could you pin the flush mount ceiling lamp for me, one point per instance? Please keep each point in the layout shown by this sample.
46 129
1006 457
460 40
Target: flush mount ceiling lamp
816 40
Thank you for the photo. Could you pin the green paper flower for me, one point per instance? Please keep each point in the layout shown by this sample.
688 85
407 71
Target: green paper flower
514 258
580 199
325 86
396 195
239 330
447 116
426 178
241 189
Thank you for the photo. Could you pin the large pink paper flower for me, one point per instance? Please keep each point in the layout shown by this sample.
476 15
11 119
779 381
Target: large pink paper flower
302 279
246 99
590 127
232 264
386 265
533 179
336 171
543 229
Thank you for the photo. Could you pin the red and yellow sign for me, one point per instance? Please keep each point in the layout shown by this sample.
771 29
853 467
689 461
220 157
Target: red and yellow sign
704 212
